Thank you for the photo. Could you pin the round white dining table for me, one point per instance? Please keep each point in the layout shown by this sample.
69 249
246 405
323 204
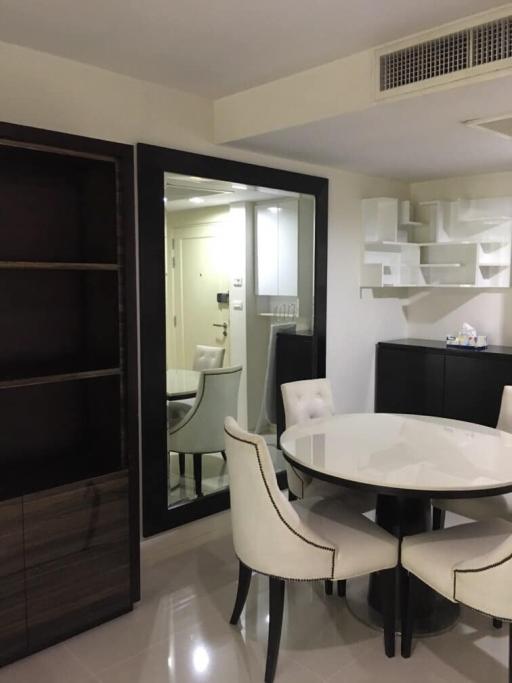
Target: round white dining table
407 460
181 383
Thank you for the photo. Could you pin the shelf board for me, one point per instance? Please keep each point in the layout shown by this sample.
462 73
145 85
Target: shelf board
57 265
440 265
53 379
494 265
412 224
457 243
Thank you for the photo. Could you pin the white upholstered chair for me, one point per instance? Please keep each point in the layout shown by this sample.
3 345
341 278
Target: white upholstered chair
470 564
202 429
208 357
297 541
303 401
487 507
205 358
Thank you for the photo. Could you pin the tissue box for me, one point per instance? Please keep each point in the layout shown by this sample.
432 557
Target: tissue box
479 342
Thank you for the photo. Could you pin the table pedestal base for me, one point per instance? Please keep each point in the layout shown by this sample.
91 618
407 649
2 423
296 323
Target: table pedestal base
402 516
442 616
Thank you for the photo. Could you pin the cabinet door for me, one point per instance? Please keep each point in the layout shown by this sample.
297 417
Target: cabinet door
77 557
409 381
13 631
474 387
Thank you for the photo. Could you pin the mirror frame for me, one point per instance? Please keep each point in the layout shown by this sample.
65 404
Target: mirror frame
152 163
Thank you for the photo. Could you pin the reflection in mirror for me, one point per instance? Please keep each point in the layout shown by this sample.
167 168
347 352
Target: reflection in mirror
239 269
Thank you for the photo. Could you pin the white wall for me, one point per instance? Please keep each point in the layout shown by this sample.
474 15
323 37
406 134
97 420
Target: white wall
46 91
433 314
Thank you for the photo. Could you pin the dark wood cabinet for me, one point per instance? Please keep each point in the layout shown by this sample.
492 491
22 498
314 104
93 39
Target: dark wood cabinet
69 538
409 381
13 632
425 377
295 360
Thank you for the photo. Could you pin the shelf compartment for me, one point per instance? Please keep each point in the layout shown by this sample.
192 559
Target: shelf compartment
440 265
53 434
57 207
54 379
59 322
47 265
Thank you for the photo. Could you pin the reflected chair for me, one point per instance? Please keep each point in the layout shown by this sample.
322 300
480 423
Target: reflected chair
208 357
296 541
487 507
201 431
470 564
205 358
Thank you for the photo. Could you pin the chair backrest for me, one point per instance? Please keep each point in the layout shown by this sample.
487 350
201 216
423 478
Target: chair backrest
505 418
268 535
208 357
202 428
307 399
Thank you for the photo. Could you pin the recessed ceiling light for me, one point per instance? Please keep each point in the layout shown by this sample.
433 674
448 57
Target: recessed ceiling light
239 186
196 200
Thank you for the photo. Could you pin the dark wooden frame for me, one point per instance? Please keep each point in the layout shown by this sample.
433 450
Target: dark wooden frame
123 155
152 163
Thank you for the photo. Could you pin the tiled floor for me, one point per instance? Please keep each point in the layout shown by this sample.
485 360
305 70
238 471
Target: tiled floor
179 632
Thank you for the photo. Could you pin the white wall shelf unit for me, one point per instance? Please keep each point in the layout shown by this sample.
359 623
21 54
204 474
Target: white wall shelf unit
463 243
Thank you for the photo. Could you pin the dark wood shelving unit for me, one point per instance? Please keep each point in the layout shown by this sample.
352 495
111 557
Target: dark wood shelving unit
47 265
69 532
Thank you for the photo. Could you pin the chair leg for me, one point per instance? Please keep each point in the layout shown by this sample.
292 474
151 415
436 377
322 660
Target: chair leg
198 473
244 583
388 580
328 587
181 458
342 588
438 517
223 453
407 616
276 604
497 623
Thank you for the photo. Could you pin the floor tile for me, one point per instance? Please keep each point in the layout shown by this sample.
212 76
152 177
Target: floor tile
54 665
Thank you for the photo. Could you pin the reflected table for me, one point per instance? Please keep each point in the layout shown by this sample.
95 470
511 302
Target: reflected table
181 383
407 460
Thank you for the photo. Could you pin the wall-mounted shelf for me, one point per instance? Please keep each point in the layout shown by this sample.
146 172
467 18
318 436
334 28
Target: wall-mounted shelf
464 243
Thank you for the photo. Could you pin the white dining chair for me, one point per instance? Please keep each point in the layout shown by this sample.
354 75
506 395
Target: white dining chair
299 541
205 358
470 564
304 401
201 431
487 507
208 357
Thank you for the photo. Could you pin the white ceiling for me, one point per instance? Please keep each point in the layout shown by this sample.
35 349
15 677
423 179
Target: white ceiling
184 193
217 47
412 139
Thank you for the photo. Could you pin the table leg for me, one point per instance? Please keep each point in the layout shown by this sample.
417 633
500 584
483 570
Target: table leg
402 516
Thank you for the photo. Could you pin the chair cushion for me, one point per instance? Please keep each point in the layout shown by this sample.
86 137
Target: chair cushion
362 547
433 556
488 507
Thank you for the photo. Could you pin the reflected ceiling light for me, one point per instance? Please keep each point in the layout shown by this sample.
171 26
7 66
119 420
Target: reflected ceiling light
239 186
196 200
200 659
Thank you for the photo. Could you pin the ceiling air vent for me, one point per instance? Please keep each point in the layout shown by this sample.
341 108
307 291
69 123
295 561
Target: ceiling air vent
475 46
